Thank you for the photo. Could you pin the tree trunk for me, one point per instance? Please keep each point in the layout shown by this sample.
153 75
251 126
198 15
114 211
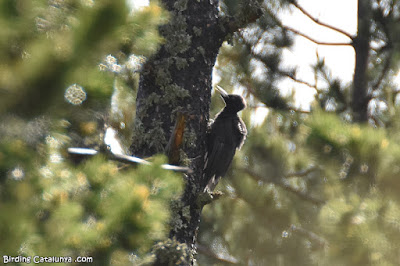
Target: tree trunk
360 97
178 79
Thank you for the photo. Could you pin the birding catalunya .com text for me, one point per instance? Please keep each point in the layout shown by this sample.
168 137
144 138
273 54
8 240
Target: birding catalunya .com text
43 259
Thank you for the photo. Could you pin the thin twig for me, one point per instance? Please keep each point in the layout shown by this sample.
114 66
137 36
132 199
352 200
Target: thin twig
315 41
87 152
302 82
300 194
321 23
298 110
292 77
288 109
395 93
302 173
385 70
284 73
321 242
376 121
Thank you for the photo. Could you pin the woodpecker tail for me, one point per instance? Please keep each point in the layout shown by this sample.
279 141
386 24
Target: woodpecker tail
212 183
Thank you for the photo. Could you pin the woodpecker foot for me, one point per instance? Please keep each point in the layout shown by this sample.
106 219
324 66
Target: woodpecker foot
207 197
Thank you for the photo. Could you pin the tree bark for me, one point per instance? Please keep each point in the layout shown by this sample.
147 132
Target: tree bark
360 97
178 79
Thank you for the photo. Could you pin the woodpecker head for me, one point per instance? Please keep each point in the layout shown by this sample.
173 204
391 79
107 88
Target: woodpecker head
233 102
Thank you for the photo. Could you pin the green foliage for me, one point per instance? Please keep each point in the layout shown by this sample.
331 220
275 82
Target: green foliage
315 188
46 48
56 208
327 194
61 63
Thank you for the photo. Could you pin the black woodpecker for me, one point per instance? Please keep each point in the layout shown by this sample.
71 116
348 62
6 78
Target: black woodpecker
226 134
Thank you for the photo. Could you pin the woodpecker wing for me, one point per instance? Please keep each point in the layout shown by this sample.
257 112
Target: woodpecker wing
243 133
224 138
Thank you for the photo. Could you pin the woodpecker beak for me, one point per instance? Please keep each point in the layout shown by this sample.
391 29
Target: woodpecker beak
223 93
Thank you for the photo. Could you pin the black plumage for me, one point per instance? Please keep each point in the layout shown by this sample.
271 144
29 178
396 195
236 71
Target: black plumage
226 134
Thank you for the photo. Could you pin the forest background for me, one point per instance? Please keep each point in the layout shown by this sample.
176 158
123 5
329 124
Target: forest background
314 184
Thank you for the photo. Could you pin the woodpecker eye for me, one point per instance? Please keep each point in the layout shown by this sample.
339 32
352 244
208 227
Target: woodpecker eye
238 102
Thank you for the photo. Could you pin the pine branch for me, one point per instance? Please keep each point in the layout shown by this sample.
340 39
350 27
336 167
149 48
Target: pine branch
283 73
288 109
287 187
86 152
321 242
300 194
299 110
315 41
209 253
321 23
292 77
384 72
302 173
